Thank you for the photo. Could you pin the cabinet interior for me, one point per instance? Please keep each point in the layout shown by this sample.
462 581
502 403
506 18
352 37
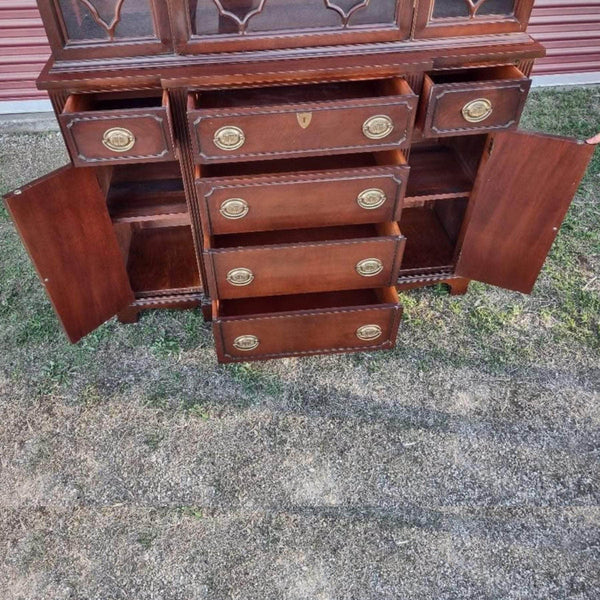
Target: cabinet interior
476 74
148 208
293 94
115 101
299 236
297 302
300 165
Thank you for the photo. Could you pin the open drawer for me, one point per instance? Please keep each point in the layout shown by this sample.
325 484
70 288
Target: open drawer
262 328
117 128
472 100
266 123
304 260
323 191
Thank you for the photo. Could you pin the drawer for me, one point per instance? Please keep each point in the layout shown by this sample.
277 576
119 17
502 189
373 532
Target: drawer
102 128
301 120
472 101
365 193
262 328
304 260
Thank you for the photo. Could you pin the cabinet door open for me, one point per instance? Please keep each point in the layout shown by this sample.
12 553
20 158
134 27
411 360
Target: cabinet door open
522 192
65 226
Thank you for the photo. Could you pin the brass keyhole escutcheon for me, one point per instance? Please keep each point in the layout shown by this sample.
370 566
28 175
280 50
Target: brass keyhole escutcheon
118 139
246 343
378 127
371 199
368 333
240 277
234 208
229 138
369 267
477 110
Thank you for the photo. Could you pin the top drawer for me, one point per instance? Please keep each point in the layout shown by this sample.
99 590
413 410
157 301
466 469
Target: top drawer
105 128
301 120
472 101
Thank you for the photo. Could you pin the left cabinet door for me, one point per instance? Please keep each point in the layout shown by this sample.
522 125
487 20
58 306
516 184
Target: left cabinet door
64 224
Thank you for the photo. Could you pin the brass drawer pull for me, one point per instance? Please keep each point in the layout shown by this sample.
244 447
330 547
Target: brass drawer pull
477 110
246 343
240 277
234 208
229 138
378 127
371 199
118 139
368 333
369 267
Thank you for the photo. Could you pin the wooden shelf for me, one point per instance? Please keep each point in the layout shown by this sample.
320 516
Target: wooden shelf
436 174
162 261
140 193
428 246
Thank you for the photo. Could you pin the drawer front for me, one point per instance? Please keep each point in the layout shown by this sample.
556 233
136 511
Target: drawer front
301 130
370 195
304 333
455 109
302 268
129 136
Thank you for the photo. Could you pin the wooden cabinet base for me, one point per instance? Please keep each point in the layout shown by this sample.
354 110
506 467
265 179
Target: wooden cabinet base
287 167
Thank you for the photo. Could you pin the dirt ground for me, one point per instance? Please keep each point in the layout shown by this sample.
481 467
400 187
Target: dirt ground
462 465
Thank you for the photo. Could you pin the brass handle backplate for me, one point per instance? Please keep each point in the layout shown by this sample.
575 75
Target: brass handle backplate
371 199
246 343
240 277
229 138
378 127
369 267
368 333
478 110
234 208
118 139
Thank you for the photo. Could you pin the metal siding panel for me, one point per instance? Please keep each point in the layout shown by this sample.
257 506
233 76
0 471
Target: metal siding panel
570 30
24 50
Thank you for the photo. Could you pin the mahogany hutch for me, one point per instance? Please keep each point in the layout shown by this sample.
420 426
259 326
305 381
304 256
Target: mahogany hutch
289 165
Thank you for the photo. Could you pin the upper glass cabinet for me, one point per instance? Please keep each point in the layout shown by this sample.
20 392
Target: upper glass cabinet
106 28
88 29
226 25
444 18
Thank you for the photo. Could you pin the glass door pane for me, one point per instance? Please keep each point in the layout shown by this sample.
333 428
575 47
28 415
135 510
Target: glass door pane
444 9
118 20
213 17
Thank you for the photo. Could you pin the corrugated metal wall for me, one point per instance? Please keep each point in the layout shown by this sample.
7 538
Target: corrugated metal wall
23 49
569 28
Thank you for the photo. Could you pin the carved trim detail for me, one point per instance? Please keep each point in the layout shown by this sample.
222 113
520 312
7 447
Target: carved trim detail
242 23
111 27
346 15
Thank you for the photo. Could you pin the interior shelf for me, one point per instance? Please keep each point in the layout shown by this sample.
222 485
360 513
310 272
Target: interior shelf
436 173
162 261
140 193
431 236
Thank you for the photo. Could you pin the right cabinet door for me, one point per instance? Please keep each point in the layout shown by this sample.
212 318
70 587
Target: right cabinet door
443 18
522 192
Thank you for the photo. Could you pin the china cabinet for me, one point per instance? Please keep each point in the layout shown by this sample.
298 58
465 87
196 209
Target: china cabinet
288 166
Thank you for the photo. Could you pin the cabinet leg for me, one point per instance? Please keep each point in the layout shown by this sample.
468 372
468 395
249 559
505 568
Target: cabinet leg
129 315
458 286
207 311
